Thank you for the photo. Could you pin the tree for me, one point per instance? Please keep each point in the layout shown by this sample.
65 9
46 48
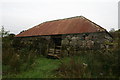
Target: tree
112 30
3 32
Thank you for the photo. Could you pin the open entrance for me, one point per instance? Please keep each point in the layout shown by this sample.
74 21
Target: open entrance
57 40
55 52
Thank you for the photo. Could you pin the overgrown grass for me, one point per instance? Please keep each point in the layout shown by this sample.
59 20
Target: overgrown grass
42 68
91 64
85 65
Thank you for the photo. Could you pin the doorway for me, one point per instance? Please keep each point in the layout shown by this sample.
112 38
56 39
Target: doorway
57 40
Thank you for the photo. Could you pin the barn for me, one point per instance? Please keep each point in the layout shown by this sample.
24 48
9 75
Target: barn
75 33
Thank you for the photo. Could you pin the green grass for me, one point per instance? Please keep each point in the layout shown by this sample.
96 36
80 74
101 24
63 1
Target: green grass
49 68
43 68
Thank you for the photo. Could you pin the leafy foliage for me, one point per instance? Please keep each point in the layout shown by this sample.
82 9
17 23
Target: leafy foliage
14 55
20 55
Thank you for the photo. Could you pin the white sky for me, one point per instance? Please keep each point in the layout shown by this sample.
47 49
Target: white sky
18 15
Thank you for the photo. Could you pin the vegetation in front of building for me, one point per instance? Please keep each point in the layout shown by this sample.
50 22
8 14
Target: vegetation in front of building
24 59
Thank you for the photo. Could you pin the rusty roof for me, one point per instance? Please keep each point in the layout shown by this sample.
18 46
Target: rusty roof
71 25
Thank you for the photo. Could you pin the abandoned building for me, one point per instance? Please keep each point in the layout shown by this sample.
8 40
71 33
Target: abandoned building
75 33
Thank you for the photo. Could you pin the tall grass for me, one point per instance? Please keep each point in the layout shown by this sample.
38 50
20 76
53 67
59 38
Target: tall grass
72 69
91 64
16 59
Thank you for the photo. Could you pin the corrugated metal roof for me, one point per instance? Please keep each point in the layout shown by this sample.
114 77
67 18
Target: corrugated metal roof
63 26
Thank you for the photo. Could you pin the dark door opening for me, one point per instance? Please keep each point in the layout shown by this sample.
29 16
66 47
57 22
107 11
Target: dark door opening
57 40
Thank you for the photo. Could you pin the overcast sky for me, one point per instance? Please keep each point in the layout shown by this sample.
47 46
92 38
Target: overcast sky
18 15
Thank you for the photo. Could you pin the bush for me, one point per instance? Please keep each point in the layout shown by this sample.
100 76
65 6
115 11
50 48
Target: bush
16 56
100 64
72 69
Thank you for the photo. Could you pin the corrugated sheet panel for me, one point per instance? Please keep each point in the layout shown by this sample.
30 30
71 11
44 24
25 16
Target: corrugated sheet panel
63 26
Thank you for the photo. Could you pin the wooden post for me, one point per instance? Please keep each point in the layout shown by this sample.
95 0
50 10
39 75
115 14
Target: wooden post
47 48
54 48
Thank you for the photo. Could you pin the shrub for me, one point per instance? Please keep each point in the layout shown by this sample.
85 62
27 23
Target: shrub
100 64
72 69
15 55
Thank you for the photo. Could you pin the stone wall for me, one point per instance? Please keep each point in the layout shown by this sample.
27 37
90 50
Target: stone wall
86 40
69 43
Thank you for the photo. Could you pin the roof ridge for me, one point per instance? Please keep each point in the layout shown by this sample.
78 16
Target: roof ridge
58 20
62 19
